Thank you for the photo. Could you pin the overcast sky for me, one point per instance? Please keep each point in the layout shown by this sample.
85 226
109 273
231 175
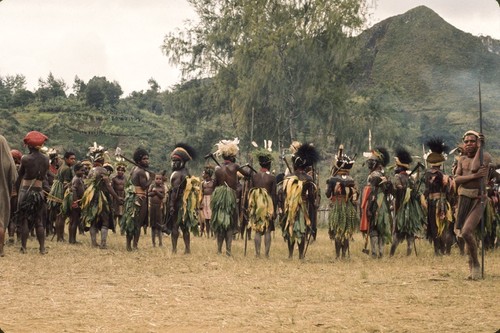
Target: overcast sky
121 39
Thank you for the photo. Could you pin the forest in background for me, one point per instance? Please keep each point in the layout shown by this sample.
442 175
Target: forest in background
279 71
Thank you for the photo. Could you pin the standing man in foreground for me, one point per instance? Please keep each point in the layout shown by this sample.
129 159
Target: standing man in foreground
299 199
135 213
223 204
31 205
262 202
184 197
8 175
469 175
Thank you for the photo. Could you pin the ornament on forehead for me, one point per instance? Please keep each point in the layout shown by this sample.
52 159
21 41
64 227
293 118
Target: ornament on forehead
183 152
121 166
470 132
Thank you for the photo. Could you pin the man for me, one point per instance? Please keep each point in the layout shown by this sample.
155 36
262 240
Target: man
407 207
61 183
376 219
224 203
96 202
184 197
31 205
438 187
118 185
8 176
299 198
77 190
343 195
136 203
262 202
207 188
12 228
470 174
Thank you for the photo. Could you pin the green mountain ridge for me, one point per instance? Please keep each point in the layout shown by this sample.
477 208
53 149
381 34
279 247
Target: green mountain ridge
431 71
422 72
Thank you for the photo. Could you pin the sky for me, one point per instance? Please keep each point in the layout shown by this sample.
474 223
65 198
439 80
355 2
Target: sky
121 39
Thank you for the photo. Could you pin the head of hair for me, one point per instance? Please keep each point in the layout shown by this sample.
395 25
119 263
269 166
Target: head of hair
78 166
139 154
68 154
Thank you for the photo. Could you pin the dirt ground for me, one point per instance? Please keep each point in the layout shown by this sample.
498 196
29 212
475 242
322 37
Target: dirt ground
79 289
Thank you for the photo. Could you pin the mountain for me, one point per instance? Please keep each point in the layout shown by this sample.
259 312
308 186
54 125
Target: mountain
430 71
420 73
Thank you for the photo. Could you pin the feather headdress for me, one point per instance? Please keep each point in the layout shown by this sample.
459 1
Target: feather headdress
342 160
184 151
96 152
436 155
306 156
403 157
381 155
227 148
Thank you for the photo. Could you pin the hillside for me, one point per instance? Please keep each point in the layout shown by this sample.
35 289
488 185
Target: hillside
430 71
417 75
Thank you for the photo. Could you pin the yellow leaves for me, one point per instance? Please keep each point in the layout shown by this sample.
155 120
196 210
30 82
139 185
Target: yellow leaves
260 209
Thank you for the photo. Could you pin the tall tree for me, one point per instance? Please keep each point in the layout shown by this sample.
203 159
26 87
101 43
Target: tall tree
274 61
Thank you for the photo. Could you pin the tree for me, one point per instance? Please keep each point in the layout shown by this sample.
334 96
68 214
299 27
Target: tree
99 92
50 88
275 62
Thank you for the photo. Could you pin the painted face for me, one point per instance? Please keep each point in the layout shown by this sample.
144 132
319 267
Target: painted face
177 164
371 163
470 144
144 162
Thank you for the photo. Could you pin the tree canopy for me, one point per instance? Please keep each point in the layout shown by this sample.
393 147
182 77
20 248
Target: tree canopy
275 63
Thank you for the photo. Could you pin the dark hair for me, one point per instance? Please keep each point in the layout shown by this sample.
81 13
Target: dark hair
68 154
78 166
139 154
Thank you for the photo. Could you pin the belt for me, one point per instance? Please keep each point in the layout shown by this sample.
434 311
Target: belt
468 192
31 183
139 191
434 196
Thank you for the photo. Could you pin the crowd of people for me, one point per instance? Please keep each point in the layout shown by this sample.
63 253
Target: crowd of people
42 192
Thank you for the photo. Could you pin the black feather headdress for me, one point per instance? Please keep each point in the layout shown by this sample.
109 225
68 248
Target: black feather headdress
381 155
184 151
306 156
403 157
437 148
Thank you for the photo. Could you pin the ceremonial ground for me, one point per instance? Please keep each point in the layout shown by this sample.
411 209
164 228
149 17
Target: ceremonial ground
79 289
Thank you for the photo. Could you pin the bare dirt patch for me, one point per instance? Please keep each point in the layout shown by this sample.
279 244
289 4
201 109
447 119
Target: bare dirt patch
79 289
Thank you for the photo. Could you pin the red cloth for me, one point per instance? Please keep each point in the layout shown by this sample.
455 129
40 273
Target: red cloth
16 154
365 224
35 139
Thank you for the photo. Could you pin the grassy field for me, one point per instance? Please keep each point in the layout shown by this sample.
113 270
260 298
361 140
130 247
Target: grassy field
79 289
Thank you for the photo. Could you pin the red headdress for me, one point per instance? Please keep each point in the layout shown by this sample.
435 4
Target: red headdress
35 139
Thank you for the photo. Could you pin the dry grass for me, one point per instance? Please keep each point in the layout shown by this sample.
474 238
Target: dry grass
79 289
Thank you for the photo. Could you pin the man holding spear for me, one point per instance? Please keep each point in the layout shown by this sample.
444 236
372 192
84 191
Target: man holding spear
470 174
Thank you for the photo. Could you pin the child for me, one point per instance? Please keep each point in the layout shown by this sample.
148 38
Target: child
156 195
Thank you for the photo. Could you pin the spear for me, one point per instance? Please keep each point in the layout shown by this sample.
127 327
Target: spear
481 161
